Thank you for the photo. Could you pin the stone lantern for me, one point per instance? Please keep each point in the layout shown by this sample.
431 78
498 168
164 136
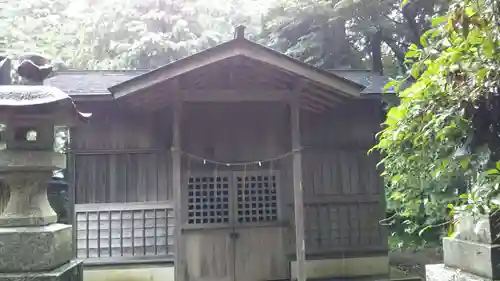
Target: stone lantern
32 245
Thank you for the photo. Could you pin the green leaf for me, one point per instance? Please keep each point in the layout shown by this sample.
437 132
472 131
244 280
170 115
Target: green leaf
482 73
493 172
389 85
412 54
450 230
424 229
438 20
395 178
488 47
464 162
415 70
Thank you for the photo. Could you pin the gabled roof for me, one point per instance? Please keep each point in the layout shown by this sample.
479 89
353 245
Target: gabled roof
239 47
331 85
90 83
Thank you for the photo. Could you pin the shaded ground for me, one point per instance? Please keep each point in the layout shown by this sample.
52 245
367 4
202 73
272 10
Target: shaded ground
413 262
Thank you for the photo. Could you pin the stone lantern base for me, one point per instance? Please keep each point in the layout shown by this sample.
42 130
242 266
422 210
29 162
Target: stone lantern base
440 272
71 271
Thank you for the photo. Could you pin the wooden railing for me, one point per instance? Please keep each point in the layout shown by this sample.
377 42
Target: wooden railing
120 232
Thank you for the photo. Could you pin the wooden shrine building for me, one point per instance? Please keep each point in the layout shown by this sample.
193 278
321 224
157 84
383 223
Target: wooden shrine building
237 163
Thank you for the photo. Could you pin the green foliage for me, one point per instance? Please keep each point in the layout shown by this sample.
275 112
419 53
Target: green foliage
339 33
441 144
121 34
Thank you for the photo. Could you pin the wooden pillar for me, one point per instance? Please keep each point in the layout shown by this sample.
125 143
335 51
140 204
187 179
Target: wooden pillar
176 183
70 177
297 187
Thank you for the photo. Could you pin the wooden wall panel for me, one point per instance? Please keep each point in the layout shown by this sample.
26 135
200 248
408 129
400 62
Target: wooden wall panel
353 124
4 195
234 132
112 127
121 156
343 190
124 177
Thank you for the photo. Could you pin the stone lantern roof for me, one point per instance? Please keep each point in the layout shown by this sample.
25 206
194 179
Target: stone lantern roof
39 99
31 96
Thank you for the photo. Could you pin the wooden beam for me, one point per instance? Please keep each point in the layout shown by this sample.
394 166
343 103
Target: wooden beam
285 63
297 186
234 95
176 183
91 97
319 99
229 50
314 89
311 108
315 104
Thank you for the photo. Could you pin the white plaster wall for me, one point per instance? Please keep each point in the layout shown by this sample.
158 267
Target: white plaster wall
349 267
129 273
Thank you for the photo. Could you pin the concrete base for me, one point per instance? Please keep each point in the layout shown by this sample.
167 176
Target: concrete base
160 272
440 272
477 258
349 267
72 271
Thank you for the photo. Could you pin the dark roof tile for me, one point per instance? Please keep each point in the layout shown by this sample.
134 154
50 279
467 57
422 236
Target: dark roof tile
90 82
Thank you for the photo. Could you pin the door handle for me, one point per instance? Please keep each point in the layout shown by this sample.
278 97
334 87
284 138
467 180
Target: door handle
234 235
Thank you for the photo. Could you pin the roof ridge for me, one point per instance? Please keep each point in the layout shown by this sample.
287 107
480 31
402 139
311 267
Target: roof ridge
349 69
85 71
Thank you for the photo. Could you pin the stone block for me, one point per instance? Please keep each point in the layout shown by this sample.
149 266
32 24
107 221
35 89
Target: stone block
481 229
35 248
476 258
440 272
13 160
71 271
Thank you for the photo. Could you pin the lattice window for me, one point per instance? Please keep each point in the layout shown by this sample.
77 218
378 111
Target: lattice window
208 200
256 198
124 230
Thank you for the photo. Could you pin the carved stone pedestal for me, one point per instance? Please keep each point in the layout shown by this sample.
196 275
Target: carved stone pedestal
32 246
472 254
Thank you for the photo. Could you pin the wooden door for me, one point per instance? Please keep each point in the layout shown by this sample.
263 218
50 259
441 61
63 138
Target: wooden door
259 247
210 255
260 254
208 244
232 231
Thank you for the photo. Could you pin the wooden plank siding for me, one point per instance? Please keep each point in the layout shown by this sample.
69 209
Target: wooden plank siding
122 185
120 156
4 195
122 177
343 192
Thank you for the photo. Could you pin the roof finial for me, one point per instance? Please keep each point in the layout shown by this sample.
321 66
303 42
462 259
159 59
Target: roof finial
240 32
33 69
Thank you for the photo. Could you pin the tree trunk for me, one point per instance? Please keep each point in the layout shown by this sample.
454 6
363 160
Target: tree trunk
337 49
376 50
409 13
